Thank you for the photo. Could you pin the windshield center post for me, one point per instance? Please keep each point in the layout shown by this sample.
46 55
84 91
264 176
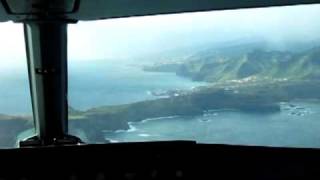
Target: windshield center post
46 46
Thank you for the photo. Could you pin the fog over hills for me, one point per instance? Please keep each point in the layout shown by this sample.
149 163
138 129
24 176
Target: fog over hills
255 59
281 27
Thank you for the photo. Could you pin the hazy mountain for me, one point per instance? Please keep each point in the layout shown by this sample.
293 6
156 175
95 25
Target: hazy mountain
244 61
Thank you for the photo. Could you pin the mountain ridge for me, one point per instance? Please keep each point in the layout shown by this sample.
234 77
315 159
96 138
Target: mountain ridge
215 66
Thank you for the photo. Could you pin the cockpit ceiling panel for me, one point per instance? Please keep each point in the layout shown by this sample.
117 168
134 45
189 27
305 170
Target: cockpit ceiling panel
40 6
104 9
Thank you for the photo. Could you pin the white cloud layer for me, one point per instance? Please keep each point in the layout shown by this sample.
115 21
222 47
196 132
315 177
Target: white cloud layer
138 35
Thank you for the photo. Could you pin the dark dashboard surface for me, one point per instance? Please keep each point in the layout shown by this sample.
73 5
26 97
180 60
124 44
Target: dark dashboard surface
159 160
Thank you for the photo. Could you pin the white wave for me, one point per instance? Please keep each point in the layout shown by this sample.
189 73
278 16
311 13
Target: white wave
113 140
158 118
120 131
144 135
131 128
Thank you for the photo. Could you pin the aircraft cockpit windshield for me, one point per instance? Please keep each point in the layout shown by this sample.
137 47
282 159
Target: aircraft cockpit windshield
246 77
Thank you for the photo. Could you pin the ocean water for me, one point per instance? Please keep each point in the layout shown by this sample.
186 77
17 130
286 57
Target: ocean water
14 90
296 126
111 83
91 84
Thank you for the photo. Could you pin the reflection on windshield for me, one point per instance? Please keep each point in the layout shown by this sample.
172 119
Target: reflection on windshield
15 103
234 77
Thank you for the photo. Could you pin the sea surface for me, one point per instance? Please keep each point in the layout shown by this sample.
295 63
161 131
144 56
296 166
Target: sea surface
297 125
91 84
112 83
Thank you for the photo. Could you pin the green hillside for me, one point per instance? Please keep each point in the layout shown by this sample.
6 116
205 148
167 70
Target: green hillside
237 64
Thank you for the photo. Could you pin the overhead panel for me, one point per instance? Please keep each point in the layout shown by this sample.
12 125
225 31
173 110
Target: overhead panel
103 9
18 10
28 7
3 14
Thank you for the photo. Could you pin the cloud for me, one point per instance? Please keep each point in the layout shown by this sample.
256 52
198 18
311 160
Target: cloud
126 37
138 35
12 47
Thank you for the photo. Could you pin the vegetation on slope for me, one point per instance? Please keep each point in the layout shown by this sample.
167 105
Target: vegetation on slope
220 67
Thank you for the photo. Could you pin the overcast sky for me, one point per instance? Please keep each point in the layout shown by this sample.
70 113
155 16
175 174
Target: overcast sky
133 36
